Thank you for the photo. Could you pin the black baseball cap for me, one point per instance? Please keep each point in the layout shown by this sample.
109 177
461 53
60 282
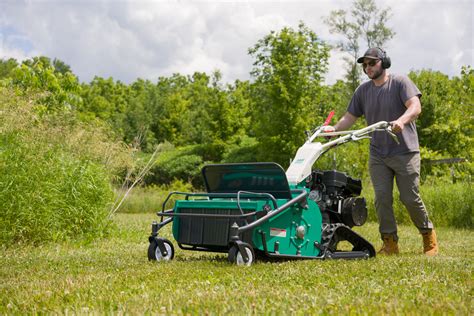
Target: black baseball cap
372 53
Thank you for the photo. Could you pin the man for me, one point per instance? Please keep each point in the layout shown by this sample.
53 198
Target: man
395 99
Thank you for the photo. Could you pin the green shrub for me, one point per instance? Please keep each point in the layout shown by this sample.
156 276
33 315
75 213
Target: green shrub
176 163
245 151
54 174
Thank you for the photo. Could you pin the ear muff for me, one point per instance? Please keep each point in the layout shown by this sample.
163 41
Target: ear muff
386 62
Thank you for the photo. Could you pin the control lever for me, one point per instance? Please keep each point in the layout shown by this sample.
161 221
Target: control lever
394 136
356 138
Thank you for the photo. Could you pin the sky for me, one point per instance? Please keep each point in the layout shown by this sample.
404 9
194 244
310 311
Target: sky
148 39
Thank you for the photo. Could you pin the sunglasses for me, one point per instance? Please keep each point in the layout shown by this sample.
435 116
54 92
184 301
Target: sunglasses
371 63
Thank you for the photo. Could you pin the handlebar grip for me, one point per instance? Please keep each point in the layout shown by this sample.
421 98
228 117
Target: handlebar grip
328 119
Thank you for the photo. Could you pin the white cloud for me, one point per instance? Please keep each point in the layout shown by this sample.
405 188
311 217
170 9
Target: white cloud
432 35
148 39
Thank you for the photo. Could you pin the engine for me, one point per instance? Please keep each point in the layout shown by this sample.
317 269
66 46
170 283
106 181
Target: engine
337 195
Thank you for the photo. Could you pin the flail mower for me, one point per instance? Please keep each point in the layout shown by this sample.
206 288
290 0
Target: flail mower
255 210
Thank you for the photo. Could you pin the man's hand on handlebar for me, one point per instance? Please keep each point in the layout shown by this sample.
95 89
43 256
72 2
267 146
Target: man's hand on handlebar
328 129
397 126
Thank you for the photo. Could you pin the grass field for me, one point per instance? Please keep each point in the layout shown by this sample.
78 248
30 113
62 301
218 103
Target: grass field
113 275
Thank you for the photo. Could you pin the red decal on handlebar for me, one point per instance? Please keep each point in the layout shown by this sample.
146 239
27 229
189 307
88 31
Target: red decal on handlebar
328 119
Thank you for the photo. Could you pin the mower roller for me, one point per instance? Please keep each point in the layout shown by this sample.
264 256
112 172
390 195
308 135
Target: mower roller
255 210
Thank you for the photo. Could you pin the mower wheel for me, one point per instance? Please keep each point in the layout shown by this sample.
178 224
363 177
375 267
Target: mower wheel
236 257
154 252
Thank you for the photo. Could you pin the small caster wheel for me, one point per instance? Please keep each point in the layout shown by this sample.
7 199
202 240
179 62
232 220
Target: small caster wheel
154 252
236 257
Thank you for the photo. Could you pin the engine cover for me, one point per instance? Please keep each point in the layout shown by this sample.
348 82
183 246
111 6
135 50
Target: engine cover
340 184
337 197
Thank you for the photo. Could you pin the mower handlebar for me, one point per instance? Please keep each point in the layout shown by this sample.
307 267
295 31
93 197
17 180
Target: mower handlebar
306 156
355 135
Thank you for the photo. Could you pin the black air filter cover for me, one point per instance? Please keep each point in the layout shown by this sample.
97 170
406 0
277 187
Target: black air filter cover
340 182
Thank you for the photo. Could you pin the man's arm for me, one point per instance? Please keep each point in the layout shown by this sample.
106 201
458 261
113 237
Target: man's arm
344 123
413 106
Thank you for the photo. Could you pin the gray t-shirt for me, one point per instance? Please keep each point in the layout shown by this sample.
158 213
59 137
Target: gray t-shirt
387 103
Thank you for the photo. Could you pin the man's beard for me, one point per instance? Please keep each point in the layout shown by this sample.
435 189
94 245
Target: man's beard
377 74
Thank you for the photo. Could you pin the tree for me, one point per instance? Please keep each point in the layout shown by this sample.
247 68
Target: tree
446 123
60 91
107 100
365 23
139 115
212 120
212 116
60 66
168 107
199 125
240 100
289 67
6 66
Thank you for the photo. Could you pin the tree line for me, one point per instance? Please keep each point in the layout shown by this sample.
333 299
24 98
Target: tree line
198 119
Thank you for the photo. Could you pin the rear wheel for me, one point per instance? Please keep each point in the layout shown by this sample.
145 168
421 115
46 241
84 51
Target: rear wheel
155 254
235 256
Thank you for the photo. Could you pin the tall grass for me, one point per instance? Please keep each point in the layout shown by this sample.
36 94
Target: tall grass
448 204
55 174
150 198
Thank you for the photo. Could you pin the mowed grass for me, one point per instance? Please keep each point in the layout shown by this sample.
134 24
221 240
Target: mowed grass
113 275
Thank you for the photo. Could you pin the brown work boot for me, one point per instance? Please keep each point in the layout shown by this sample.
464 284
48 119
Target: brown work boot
390 245
430 244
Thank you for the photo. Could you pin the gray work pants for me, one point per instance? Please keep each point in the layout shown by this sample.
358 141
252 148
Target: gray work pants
406 171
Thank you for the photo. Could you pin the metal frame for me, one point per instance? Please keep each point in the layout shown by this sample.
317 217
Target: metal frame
271 213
